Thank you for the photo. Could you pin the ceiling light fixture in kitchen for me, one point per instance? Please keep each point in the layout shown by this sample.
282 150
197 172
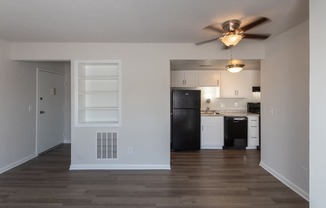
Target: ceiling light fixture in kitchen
234 66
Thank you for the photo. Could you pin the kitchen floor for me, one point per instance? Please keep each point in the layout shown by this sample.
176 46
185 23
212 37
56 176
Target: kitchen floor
208 178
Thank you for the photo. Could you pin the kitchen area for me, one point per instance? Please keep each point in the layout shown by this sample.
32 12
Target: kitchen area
212 108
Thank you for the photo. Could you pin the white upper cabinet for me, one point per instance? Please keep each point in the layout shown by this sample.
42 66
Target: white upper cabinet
236 85
97 93
231 85
209 78
184 78
255 77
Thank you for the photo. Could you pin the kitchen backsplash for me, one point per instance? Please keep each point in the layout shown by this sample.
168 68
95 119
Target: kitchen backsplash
224 104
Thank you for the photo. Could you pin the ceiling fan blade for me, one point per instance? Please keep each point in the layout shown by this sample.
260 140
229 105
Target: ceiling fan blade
255 23
256 36
211 27
207 41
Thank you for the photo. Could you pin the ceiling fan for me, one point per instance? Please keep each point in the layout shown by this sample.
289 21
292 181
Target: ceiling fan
232 33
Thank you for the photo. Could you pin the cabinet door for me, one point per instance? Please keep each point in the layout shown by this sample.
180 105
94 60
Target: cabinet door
191 78
212 132
177 78
253 131
255 77
209 79
236 84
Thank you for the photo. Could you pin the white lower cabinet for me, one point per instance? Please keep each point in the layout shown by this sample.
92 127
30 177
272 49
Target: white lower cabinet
253 131
212 132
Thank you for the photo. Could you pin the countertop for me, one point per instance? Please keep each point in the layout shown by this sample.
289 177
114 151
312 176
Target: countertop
228 114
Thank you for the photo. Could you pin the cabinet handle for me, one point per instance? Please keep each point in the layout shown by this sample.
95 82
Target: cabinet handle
202 128
185 82
254 126
218 82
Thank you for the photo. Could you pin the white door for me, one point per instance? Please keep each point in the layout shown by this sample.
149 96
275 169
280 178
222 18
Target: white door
50 112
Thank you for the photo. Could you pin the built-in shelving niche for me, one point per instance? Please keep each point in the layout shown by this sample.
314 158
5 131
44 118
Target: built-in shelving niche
98 93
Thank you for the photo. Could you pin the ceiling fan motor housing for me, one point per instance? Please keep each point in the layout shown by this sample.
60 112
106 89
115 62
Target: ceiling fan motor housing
231 25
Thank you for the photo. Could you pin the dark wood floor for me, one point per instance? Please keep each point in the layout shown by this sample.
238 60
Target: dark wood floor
205 179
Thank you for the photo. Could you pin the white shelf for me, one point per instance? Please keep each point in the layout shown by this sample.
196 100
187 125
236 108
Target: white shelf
97 93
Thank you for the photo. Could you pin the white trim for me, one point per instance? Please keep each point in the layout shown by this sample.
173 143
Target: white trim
51 72
36 109
211 147
15 164
67 141
251 147
119 167
286 182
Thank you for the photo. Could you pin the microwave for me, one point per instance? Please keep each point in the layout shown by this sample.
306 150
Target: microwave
253 108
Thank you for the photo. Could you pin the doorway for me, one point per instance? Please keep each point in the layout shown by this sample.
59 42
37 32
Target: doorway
50 110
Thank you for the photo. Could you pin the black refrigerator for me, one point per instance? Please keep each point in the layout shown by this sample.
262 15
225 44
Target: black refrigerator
185 120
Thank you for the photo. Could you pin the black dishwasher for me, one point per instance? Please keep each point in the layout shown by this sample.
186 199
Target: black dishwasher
235 132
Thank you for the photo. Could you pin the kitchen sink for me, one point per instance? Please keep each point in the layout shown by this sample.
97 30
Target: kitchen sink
209 113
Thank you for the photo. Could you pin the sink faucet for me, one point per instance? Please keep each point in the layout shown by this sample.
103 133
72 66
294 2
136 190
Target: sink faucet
207 109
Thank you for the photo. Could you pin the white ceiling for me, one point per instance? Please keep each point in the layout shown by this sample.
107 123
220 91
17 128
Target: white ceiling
139 21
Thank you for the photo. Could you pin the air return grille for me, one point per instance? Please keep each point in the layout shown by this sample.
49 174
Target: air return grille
107 147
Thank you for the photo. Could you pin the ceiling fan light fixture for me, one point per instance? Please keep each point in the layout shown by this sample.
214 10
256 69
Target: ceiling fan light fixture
231 39
234 68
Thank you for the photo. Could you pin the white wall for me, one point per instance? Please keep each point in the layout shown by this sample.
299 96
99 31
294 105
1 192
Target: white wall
67 104
145 94
17 93
317 105
285 91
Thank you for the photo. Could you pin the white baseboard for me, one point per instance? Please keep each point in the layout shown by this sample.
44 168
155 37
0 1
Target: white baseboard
255 147
15 164
119 167
211 147
67 141
285 181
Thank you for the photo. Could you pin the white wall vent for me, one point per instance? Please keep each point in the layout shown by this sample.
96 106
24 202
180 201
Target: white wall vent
107 145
